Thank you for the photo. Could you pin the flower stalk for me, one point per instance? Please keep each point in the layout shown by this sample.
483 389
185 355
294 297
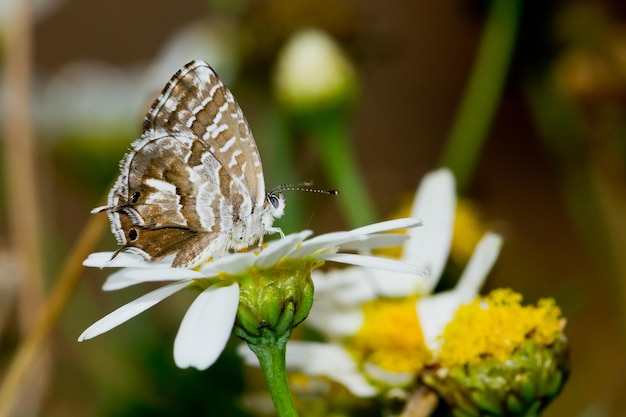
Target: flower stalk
342 168
270 349
272 302
317 86
483 90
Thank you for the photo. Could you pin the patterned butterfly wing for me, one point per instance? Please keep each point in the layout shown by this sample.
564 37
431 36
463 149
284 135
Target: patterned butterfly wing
195 173
195 102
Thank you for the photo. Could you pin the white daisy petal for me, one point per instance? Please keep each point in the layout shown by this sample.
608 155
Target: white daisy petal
393 284
206 327
278 249
352 287
325 241
119 280
387 226
232 264
358 238
436 311
348 287
130 310
385 240
332 361
435 203
320 359
249 358
131 276
479 266
391 379
373 262
122 259
334 322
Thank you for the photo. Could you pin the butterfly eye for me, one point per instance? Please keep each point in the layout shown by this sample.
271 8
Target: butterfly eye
135 197
133 235
273 200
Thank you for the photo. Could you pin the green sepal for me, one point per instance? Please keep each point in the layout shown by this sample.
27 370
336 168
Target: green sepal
276 298
522 385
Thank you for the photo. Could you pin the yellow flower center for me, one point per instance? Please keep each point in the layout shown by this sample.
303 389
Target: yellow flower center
391 336
496 325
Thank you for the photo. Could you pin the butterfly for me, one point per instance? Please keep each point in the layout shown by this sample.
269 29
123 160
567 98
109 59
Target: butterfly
193 183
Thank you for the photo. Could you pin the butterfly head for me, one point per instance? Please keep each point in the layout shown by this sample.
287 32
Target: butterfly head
275 203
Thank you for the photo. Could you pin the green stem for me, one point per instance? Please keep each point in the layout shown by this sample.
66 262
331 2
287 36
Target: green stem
270 350
342 168
483 91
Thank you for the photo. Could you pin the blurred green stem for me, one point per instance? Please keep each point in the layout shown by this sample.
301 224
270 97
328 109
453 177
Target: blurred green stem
483 90
342 168
271 349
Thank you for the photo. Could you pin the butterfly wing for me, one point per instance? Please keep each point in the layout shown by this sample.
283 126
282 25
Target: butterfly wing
193 173
195 102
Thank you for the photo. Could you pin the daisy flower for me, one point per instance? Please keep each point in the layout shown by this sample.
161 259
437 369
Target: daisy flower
250 292
498 357
381 327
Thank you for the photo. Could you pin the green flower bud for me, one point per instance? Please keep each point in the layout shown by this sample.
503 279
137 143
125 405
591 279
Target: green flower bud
274 299
522 385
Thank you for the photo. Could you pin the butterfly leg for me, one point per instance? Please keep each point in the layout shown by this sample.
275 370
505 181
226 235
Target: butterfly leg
276 230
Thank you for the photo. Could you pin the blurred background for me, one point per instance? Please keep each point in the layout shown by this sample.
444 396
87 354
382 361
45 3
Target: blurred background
536 135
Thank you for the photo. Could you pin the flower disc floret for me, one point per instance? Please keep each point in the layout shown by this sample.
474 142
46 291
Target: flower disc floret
495 326
391 337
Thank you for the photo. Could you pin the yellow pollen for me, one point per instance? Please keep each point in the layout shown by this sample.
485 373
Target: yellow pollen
391 336
496 325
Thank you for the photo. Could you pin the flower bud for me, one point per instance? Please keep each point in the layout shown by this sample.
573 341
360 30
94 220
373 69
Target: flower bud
275 299
314 76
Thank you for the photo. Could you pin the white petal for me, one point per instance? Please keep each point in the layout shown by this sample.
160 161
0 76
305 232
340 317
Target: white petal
329 282
373 262
479 266
436 311
435 203
332 361
131 276
320 359
277 249
325 241
390 379
206 327
387 226
348 287
229 264
334 320
249 358
385 240
130 310
122 259
354 286
393 284
118 280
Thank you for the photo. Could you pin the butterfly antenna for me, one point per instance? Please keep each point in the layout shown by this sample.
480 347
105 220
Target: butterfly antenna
301 186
